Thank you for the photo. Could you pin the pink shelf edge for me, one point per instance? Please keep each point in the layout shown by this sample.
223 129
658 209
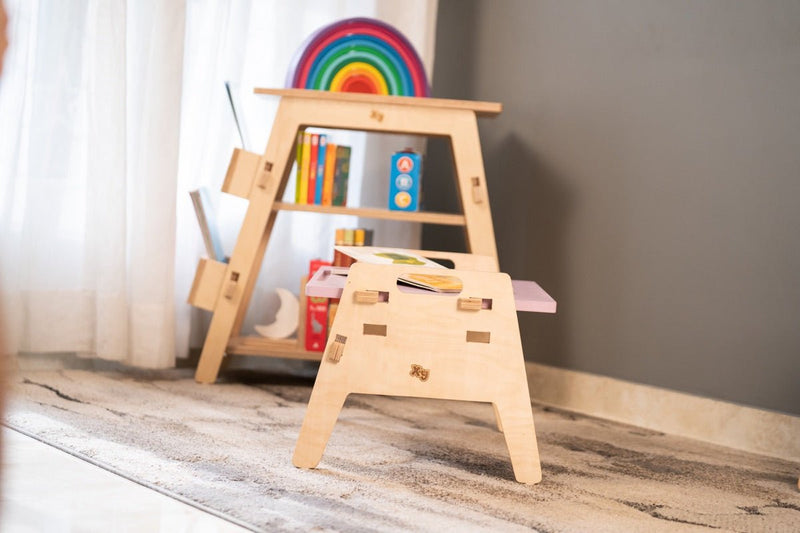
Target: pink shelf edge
328 282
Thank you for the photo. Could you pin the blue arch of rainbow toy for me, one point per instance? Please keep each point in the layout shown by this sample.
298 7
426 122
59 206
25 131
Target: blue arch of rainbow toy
359 40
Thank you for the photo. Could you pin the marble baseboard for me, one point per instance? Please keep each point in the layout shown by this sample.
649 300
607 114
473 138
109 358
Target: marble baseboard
677 413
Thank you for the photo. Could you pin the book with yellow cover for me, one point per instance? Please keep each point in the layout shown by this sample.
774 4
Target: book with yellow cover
299 166
398 256
433 282
302 176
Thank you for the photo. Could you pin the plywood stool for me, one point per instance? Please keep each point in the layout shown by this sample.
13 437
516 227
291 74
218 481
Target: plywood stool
401 342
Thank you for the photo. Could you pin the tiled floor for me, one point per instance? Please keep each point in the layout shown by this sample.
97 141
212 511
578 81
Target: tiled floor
47 490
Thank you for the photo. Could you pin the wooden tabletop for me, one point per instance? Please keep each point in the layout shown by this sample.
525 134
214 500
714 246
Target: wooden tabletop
487 109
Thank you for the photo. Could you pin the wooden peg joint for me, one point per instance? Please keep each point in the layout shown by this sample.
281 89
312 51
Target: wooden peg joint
418 372
470 304
370 296
263 177
336 349
477 194
230 286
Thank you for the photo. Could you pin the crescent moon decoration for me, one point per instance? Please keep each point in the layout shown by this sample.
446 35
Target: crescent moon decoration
360 55
286 318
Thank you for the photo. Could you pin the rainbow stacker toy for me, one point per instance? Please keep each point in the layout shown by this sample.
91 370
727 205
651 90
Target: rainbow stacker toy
359 55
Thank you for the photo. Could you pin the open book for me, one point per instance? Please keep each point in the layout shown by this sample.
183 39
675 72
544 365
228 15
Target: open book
399 256
208 225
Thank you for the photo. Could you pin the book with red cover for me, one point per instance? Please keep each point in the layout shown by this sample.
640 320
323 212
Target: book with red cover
316 314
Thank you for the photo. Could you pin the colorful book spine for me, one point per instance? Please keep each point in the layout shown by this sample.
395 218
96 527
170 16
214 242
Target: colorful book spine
341 175
299 162
312 169
321 154
330 170
316 314
302 177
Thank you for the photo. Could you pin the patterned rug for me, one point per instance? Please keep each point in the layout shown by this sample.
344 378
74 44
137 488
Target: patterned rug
393 464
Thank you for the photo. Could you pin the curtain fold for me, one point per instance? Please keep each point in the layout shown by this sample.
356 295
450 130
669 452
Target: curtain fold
110 112
90 103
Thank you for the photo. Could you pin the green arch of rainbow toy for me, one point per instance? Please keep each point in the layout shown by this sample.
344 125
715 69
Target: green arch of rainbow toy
359 55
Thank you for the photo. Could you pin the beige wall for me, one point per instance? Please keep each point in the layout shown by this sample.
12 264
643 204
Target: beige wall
646 171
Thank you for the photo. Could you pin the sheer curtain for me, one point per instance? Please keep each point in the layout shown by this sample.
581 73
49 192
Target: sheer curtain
110 112
90 107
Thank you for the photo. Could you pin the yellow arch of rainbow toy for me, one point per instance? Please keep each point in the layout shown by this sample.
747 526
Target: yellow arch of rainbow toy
359 68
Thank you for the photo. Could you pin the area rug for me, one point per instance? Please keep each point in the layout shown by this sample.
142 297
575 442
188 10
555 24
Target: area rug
393 464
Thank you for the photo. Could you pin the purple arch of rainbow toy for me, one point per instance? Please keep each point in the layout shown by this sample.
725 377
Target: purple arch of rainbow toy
382 41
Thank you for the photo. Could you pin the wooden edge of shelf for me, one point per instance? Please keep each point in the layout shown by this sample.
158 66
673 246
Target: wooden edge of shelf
488 109
428 217
254 345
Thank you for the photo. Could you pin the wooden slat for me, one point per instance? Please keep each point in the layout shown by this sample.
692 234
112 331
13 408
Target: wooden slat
488 109
288 348
207 283
426 217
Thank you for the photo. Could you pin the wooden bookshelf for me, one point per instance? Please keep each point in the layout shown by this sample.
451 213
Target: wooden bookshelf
226 288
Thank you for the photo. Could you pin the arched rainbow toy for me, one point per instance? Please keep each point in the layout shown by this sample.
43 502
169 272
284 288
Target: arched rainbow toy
359 55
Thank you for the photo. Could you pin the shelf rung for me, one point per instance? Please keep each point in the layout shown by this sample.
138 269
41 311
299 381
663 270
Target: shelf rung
426 217
288 348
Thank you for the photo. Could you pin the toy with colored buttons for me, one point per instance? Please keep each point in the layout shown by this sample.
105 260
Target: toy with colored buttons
404 184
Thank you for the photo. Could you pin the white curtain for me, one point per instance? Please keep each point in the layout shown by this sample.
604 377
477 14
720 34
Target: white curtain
110 112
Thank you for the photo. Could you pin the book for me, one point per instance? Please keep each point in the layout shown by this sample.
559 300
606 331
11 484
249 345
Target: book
208 224
330 170
312 168
316 314
239 125
302 181
321 154
399 256
386 256
341 175
298 166
433 282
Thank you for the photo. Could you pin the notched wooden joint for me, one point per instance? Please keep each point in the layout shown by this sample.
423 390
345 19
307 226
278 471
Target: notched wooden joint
263 177
230 285
477 195
378 330
336 349
474 304
418 372
370 296
470 304
478 336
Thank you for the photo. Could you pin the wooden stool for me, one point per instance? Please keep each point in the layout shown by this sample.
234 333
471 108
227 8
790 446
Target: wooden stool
404 342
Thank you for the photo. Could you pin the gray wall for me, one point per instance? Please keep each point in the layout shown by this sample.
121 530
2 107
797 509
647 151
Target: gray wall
646 171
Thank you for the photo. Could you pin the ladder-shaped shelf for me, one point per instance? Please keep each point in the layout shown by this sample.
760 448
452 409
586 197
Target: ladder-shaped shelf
226 289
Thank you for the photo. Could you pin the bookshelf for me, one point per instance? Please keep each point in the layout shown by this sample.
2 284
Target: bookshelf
225 289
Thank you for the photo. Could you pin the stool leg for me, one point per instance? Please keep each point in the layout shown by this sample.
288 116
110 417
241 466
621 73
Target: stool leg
520 433
323 410
497 418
